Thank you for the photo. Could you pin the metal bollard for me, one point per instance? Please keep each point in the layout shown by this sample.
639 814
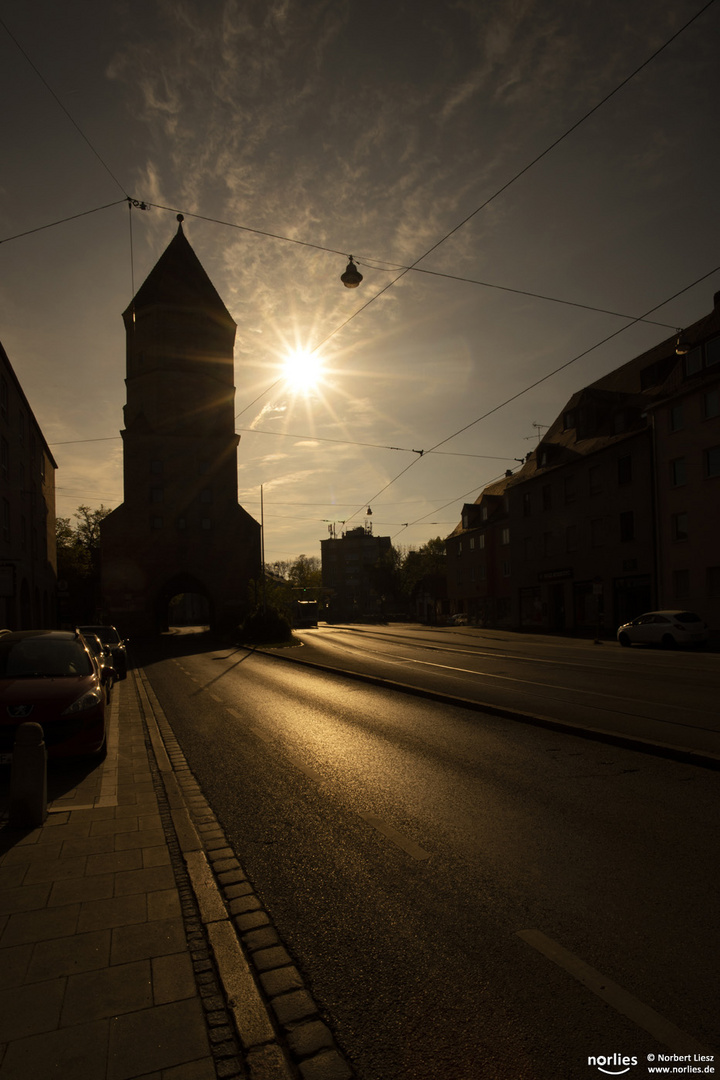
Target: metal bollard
28 778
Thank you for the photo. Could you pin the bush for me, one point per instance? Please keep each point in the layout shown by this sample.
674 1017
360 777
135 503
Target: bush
265 628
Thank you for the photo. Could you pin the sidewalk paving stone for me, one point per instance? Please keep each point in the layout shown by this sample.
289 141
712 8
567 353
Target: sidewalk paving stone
167 1035
69 955
29 1010
144 940
78 1052
107 992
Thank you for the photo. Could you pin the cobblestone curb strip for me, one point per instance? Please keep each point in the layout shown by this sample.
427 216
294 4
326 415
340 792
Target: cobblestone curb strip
275 1020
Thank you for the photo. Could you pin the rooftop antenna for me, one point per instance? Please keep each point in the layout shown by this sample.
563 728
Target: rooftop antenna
538 431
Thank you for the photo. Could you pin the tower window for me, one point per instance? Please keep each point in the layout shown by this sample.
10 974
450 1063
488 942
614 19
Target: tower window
206 523
156 466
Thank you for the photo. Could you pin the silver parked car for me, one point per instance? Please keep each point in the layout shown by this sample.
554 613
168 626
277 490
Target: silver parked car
666 628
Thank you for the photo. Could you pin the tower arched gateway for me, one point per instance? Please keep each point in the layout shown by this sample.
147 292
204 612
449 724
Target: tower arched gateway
180 519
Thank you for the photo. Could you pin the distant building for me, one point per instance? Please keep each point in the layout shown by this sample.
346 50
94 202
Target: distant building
28 559
180 529
617 511
351 574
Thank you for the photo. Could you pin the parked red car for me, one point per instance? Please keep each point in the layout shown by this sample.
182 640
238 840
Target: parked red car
50 677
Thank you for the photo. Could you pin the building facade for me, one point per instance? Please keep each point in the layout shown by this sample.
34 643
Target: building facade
28 558
616 512
350 574
180 529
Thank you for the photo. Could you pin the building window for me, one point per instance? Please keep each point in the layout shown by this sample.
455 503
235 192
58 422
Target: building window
465 521
206 524
506 568
571 538
597 532
712 352
681 584
678 475
156 467
568 419
156 495
206 495
156 523
481 541
547 544
547 497
5 458
181 524
484 513
680 526
21 428
6 521
595 479
712 461
4 398
713 582
676 417
692 363
528 544
627 526
527 504
482 571
624 470
472 543
459 548
505 536
711 404
569 489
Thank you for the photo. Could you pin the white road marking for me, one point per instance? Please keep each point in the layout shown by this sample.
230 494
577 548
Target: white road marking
543 685
623 1002
408 846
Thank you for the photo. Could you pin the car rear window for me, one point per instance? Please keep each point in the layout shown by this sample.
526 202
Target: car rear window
43 658
688 616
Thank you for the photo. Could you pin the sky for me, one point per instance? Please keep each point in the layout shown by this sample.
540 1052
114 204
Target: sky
294 133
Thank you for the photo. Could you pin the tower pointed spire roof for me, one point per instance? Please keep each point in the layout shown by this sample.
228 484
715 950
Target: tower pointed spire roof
179 278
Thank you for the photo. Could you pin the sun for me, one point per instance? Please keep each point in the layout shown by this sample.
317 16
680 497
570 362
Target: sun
302 370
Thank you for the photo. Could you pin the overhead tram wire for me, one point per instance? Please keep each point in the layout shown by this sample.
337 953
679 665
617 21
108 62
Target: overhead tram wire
354 442
61 221
74 123
538 382
526 168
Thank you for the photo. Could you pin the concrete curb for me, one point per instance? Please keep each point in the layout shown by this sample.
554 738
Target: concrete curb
276 1020
686 755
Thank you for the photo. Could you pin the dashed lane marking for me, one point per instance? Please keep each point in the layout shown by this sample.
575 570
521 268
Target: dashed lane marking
623 1002
403 842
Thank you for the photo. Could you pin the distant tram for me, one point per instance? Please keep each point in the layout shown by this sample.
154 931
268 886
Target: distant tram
306 614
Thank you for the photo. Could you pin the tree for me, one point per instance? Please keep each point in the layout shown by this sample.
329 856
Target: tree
78 556
78 546
425 575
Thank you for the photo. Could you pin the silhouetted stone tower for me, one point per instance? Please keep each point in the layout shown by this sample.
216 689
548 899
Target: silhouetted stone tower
180 528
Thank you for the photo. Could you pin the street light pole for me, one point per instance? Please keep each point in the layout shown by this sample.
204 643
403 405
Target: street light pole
262 551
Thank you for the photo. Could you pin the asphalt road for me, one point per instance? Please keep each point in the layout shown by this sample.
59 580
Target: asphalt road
467 896
645 693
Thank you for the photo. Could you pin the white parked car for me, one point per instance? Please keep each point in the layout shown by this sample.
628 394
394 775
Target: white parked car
666 628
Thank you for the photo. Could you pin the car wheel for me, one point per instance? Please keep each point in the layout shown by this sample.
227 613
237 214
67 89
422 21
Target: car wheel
625 641
668 641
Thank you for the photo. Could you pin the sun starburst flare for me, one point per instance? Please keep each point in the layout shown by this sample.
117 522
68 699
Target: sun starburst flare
302 371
